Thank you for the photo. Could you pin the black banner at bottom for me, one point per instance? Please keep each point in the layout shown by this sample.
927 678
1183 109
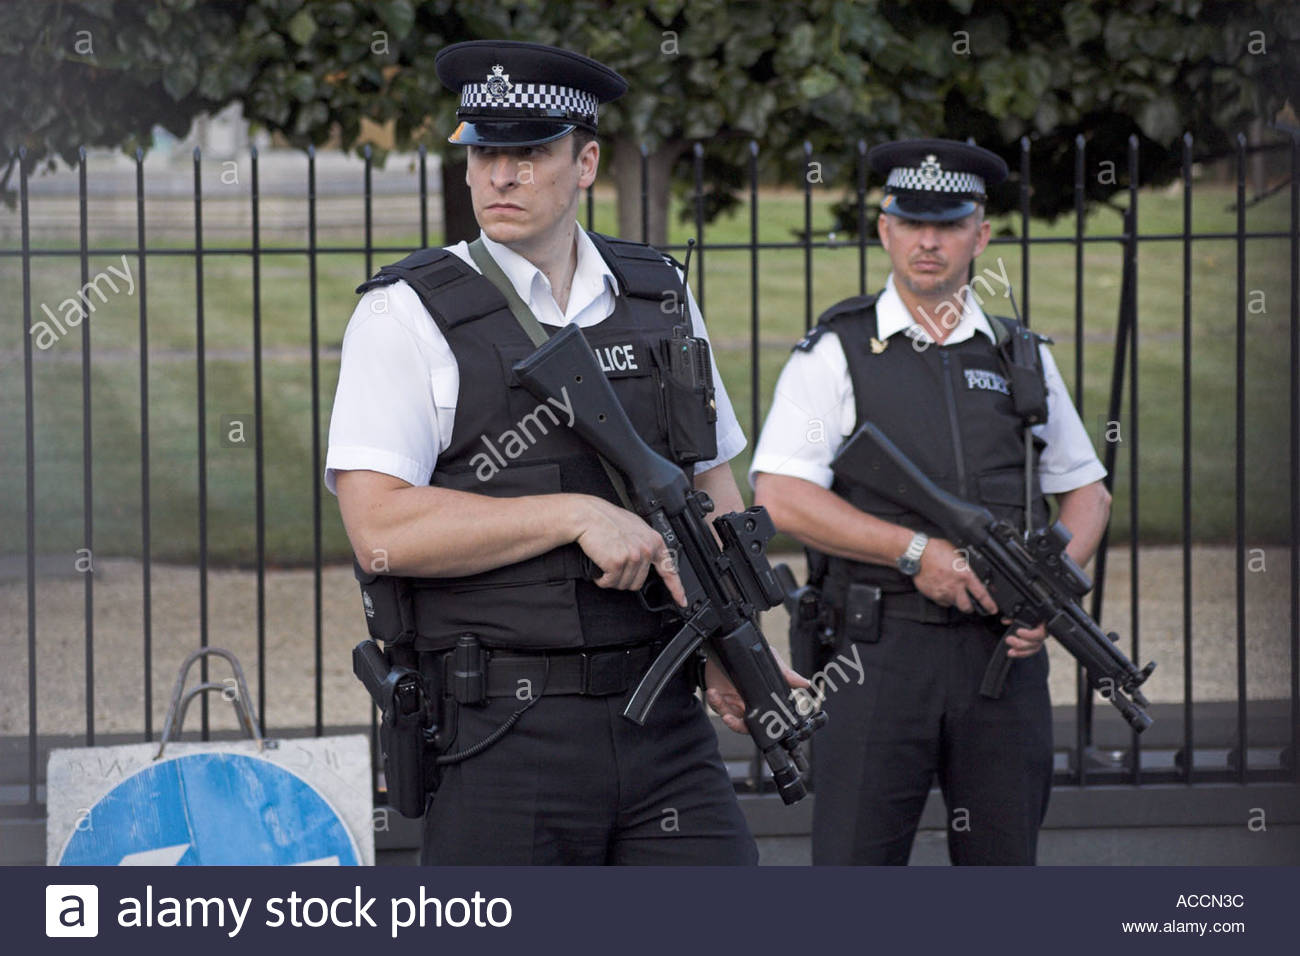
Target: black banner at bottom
631 911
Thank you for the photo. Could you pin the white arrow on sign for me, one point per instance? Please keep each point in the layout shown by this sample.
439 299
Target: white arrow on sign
162 856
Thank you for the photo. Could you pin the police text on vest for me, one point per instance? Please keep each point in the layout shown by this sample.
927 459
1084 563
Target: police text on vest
616 358
987 380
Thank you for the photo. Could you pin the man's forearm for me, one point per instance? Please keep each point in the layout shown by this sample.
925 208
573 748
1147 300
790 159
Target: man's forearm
720 485
425 531
823 520
1085 512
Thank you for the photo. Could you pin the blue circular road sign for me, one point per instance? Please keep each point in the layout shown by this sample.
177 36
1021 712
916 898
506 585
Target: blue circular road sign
211 809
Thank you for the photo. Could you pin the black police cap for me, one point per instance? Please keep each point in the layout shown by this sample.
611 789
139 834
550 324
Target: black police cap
523 94
935 179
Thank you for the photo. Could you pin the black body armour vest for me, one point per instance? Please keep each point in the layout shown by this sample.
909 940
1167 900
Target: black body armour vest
505 443
952 409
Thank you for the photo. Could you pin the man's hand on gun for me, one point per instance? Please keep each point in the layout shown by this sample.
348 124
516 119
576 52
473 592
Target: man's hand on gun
719 563
624 547
725 701
947 580
1025 641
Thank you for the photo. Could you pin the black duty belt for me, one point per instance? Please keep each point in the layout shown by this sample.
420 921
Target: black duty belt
595 673
915 606
911 606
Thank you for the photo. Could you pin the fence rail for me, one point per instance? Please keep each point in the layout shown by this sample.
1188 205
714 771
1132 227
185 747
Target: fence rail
1081 769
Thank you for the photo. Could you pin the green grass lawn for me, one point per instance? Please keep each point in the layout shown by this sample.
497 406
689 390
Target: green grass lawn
289 472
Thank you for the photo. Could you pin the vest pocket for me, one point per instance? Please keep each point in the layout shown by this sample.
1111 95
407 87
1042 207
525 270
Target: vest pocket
1005 486
862 613
687 398
1003 492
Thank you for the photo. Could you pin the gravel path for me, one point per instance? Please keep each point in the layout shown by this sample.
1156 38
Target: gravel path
290 670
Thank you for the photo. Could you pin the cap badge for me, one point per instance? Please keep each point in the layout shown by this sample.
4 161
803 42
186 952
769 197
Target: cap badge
498 84
930 170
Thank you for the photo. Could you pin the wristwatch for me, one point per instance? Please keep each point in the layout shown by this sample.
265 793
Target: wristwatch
910 560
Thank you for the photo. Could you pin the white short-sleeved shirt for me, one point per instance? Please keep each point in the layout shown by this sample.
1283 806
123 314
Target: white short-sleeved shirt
813 408
395 404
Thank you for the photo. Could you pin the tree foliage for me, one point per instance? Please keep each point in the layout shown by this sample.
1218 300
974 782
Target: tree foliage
722 73
105 74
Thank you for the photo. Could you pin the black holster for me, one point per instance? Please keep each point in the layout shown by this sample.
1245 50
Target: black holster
409 727
812 634
809 650
811 623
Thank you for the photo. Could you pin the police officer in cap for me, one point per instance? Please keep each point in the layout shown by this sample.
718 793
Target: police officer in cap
517 565
924 362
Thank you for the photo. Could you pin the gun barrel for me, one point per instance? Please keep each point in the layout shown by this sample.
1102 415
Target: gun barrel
1022 587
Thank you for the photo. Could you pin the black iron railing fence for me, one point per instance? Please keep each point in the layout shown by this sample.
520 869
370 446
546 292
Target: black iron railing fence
1184 768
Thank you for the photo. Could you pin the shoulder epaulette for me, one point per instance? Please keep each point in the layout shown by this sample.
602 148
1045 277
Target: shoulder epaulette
378 281
642 271
399 270
853 305
809 339
850 306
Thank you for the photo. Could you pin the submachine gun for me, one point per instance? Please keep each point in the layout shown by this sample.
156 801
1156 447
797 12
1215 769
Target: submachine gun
726 586
1032 580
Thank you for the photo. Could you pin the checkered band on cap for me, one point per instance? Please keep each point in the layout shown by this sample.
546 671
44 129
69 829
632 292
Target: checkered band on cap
477 97
930 177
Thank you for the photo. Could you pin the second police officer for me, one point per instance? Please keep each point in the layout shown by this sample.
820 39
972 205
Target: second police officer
924 362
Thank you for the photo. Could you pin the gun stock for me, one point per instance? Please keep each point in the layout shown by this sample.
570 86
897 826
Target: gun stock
869 457
566 367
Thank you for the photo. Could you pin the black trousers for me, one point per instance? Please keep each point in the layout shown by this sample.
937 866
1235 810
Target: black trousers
918 713
575 782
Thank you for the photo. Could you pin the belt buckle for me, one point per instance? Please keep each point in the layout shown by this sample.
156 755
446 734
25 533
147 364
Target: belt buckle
604 673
